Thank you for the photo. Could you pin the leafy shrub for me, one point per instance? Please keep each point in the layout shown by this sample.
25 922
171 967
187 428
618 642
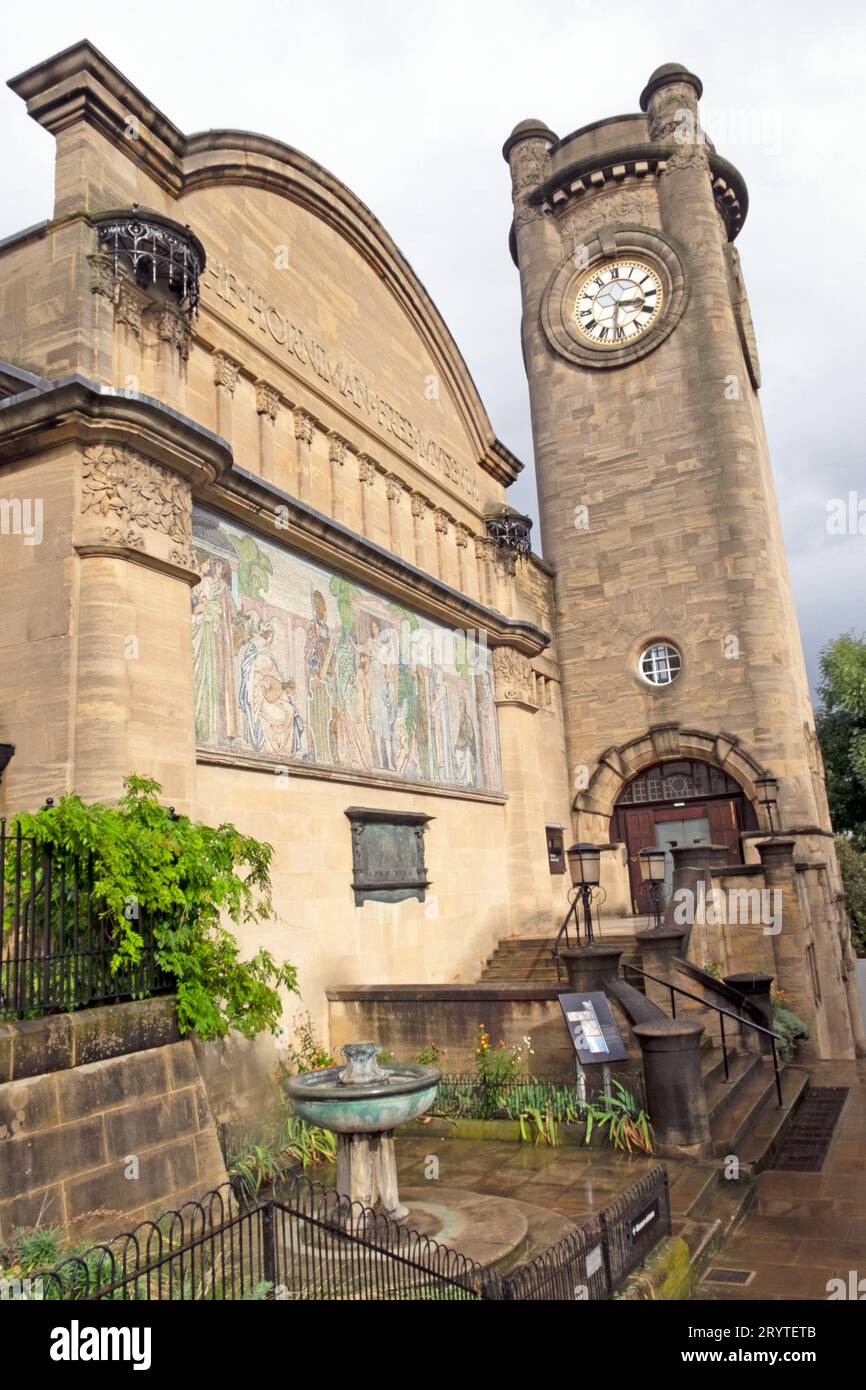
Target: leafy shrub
183 877
852 864
788 1025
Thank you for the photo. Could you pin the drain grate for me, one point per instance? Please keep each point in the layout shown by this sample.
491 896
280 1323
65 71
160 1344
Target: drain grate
730 1276
805 1146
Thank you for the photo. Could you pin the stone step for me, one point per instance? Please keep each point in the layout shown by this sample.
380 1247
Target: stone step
731 1124
724 1096
529 958
762 1143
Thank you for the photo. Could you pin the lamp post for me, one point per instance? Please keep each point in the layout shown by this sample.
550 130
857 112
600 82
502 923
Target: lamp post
584 863
652 872
768 796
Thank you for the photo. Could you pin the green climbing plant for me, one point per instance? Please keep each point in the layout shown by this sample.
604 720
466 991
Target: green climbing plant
185 878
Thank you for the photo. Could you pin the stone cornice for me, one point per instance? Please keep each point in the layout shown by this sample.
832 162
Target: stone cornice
254 502
594 172
81 85
75 410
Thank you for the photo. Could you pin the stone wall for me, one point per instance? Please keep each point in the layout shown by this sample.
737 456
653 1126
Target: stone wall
104 1120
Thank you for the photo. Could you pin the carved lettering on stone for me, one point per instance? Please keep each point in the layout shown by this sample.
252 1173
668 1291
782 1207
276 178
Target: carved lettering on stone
135 497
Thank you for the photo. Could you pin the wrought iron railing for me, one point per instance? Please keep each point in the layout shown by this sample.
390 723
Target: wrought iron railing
739 1018
56 947
157 251
307 1243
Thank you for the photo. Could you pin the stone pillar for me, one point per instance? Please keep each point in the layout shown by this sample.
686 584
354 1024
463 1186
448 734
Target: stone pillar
366 479
693 866
525 846
440 523
337 451
790 943
225 375
588 967
394 488
419 511
674 1082
305 428
756 989
657 949
461 538
267 409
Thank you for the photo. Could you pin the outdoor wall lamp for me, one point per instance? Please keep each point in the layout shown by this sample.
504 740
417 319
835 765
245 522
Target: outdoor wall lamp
768 796
652 871
584 865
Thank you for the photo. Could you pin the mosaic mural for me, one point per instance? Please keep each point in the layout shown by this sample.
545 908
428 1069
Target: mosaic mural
295 663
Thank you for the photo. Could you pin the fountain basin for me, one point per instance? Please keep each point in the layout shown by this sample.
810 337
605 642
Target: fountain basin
373 1107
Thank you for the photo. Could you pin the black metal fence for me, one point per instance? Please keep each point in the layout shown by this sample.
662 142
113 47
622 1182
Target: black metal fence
55 945
307 1243
594 1261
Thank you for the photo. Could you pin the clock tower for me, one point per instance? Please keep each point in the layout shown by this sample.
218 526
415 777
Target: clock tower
681 660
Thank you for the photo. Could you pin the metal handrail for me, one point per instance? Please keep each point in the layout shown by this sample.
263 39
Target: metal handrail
723 1014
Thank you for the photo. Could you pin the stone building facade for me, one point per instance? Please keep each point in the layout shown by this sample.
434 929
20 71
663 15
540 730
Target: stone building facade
257 541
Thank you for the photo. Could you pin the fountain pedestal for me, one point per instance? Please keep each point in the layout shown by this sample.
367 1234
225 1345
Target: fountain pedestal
367 1173
363 1104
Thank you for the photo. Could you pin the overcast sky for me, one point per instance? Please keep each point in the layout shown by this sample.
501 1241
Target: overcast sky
409 103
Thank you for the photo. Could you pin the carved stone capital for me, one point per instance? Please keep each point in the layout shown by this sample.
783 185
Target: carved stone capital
172 326
102 279
267 400
394 487
225 372
305 426
440 521
419 505
129 306
462 535
512 674
130 502
366 470
337 449
484 548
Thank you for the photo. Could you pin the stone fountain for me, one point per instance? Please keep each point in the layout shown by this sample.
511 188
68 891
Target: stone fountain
363 1103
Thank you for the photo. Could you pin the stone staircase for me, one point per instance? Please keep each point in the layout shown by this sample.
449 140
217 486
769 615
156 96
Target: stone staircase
527 958
745 1119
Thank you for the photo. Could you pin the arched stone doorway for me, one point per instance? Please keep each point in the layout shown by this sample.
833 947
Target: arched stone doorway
679 801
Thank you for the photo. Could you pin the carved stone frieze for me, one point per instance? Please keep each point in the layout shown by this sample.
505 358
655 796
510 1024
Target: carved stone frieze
139 503
512 673
530 166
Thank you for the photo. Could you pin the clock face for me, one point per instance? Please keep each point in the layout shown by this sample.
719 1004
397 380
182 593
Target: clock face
617 302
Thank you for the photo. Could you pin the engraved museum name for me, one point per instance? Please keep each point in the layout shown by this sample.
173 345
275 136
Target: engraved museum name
291 336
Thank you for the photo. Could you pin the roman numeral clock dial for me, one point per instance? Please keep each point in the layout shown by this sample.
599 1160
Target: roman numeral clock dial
617 302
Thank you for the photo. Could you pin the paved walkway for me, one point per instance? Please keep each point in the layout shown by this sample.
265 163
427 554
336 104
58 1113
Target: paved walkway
804 1229
571 1181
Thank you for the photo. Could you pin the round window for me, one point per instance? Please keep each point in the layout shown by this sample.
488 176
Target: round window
660 664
